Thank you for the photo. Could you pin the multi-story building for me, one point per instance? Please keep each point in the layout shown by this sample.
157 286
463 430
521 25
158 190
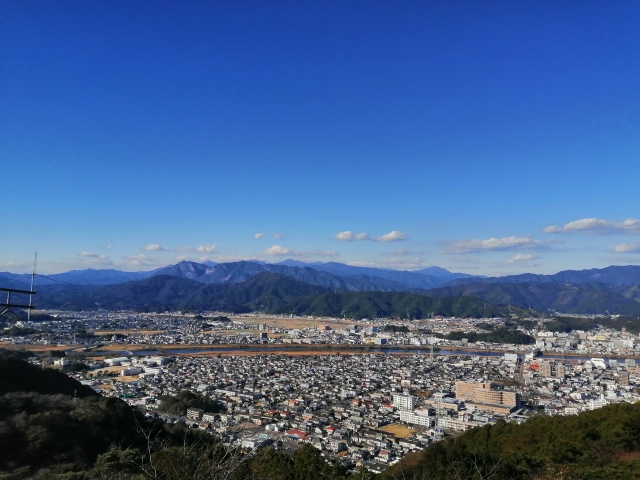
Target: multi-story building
413 418
485 393
560 371
404 402
194 413
545 369
623 378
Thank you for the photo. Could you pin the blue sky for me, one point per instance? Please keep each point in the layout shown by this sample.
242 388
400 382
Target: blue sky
450 133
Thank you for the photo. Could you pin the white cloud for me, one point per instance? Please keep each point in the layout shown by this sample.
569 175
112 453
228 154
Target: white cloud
392 236
94 259
154 247
109 247
494 244
180 258
597 226
277 235
206 248
349 236
626 248
141 260
279 250
346 236
17 265
521 258
258 236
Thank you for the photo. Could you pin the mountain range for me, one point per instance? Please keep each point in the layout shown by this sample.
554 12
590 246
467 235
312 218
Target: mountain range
583 298
612 290
265 292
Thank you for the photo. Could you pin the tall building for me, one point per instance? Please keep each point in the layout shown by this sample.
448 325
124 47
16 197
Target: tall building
485 393
545 369
560 371
404 402
623 378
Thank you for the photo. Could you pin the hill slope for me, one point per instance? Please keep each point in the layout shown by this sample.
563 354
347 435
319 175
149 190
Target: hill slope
236 272
628 275
265 292
586 298
599 444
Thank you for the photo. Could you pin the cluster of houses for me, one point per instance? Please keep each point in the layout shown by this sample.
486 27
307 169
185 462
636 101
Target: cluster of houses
367 409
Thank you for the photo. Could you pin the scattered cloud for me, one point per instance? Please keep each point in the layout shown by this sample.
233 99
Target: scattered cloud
109 247
494 244
626 248
392 236
521 258
94 259
206 248
154 247
279 250
597 226
180 258
258 236
185 249
23 266
349 236
141 260
346 236
277 235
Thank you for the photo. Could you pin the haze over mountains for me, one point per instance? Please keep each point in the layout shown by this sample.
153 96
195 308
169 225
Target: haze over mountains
240 287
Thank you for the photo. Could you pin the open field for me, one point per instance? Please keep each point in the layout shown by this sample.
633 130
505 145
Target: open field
128 379
400 431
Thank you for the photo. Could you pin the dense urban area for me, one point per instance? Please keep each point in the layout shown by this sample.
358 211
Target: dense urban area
365 393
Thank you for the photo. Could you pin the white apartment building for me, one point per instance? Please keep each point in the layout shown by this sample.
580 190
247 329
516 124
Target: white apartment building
404 402
415 419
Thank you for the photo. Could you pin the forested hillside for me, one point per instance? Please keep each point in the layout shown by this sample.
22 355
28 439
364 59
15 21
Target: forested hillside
601 444
265 292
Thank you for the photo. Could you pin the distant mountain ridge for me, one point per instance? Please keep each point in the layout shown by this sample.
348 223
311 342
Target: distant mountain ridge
582 298
627 275
330 274
237 272
266 292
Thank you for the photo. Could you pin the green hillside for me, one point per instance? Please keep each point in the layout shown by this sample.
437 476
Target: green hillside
265 292
600 444
391 304
586 298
